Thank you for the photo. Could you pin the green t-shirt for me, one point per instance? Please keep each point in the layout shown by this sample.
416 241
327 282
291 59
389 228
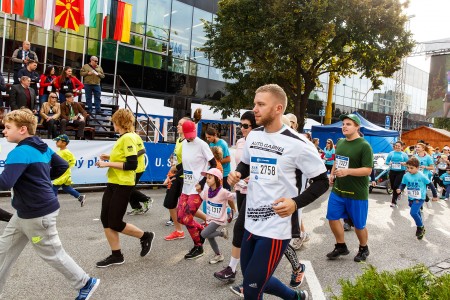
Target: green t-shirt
352 155
125 146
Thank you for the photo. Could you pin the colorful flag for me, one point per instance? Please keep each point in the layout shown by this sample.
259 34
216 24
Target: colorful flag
68 13
6 6
104 15
18 6
123 22
28 10
90 13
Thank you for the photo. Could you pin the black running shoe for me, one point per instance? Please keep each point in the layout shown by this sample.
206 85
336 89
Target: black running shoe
420 232
338 251
363 252
110 260
146 244
226 275
195 252
302 295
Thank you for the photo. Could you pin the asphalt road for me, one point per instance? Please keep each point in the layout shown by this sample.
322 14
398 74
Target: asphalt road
164 274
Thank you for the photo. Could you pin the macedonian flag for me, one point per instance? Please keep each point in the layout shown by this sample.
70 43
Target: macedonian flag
68 13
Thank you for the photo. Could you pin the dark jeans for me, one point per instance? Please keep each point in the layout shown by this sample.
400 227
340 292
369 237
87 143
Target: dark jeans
137 196
52 128
95 89
77 124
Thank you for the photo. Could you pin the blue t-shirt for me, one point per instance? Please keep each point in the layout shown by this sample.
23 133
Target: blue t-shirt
395 158
328 155
445 178
425 161
416 185
226 166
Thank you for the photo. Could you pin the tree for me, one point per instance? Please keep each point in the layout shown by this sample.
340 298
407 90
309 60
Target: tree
293 42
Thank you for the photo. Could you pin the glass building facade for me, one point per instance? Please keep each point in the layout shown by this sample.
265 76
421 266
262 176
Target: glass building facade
164 57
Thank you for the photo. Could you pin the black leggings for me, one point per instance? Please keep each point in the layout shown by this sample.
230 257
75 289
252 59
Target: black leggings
238 233
395 178
137 196
114 205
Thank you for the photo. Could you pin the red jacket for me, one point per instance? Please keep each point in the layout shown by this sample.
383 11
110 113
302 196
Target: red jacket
77 85
43 84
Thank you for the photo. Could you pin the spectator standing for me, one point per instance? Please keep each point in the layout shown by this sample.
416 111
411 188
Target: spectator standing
21 57
350 193
73 114
30 71
66 83
21 95
50 113
92 74
46 85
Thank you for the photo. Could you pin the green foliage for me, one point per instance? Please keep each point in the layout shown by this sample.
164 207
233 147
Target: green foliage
292 43
409 284
443 123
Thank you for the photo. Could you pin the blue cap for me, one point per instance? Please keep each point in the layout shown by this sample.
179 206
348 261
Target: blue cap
62 137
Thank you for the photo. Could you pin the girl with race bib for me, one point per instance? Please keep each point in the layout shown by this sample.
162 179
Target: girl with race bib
426 164
329 154
416 183
216 198
396 160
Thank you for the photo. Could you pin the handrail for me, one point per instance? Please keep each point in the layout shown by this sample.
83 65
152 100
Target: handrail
119 81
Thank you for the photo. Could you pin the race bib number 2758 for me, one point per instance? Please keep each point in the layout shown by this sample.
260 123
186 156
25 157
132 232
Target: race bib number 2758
262 168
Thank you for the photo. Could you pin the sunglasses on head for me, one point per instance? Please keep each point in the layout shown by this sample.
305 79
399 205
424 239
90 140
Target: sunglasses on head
245 126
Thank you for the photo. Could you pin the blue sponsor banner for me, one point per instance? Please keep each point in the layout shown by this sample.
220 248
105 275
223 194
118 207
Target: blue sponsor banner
158 161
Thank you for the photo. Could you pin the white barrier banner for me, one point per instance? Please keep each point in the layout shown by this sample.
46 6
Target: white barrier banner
86 154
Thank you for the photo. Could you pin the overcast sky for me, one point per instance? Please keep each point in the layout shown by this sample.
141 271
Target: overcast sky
430 21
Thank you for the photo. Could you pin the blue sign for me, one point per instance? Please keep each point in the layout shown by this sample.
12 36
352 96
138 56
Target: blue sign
158 165
387 122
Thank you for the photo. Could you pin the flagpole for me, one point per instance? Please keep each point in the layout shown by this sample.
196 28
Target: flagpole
28 28
84 47
65 49
5 18
46 47
115 71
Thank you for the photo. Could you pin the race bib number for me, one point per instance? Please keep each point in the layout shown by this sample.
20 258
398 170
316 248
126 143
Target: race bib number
414 194
65 87
342 162
262 168
396 166
188 177
447 178
214 210
49 88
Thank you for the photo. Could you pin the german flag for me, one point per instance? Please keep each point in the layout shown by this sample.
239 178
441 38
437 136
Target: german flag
120 21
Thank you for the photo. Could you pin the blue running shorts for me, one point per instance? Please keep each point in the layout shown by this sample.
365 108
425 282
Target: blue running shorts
342 208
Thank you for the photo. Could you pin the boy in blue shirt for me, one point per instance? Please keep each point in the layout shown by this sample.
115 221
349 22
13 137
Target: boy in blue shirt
445 178
29 169
417 183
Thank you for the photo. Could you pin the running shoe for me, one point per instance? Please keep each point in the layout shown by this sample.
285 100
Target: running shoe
110 260
297 277
82 199
147 204
420 232
347 227
217 258
230 216
195 252
169 223
226 274
89 288
363 252
296 243
302 295
175 236
238 290
225 233
305 237
338 251
135 211
445 199
393 205
146 244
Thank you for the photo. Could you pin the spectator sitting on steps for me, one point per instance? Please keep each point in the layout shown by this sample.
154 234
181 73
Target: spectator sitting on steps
73 113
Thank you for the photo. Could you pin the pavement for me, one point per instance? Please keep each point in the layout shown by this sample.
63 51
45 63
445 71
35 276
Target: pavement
164 274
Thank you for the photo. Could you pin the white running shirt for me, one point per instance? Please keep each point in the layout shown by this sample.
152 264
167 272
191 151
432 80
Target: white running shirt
196 155
280 165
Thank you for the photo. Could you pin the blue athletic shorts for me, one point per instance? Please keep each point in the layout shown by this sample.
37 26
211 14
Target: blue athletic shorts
342 208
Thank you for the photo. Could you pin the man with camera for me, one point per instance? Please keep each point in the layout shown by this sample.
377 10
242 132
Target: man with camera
73 114
21 57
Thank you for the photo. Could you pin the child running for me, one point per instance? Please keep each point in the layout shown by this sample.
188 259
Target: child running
445 178
416 183
29 168
65 181
216 198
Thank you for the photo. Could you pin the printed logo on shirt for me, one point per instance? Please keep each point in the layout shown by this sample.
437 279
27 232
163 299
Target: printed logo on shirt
130 148
261 213
36 239
267 147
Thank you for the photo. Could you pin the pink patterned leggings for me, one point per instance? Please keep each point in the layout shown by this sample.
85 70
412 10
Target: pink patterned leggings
187 207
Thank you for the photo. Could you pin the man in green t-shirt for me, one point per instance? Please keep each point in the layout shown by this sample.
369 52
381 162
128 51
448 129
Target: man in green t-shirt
350 193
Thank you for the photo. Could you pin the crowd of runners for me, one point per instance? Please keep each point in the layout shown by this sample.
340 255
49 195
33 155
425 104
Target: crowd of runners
279 171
